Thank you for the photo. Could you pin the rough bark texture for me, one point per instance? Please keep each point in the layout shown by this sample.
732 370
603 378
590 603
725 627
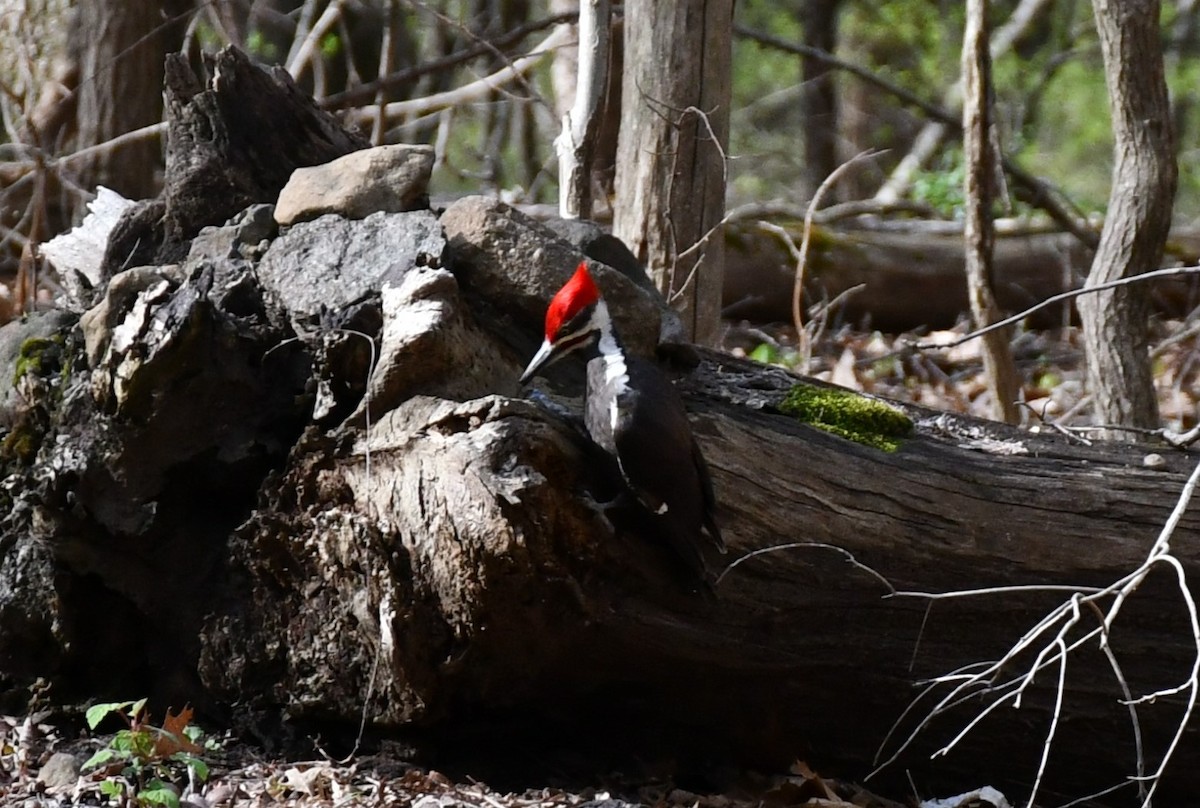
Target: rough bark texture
1139 212
670 187
979 232
120 45
818 99
232 140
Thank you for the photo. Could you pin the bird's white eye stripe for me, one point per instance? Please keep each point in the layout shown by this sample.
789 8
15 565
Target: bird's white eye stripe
572 341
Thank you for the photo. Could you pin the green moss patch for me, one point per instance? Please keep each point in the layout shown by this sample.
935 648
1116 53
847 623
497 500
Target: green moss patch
38 355
38 372
21 444
848 415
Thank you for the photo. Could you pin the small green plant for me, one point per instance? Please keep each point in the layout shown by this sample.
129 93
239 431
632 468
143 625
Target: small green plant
770 354
141 760
331 45
942 189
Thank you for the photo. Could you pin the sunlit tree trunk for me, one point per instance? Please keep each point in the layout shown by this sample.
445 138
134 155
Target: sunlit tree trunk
670 184
979 232
581 122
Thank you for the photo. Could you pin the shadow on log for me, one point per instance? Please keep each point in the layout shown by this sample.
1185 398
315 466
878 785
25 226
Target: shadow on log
212 496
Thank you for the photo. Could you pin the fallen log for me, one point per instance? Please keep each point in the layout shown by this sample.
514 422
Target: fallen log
491 589
912 275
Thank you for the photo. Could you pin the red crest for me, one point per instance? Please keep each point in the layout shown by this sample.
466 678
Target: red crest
576 295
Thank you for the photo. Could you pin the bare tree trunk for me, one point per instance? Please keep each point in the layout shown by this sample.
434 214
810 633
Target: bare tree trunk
979 233
564 66
818 98
121 45
670 185
576 143
1139 212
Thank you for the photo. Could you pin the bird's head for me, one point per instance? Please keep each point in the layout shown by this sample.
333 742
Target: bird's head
575 319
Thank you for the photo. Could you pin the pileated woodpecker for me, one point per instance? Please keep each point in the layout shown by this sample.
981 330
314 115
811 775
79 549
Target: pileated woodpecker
635 415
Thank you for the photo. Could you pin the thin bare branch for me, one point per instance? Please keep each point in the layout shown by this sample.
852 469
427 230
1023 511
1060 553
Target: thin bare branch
803 545
806 240
1050 301
1053 633
479 89
368 91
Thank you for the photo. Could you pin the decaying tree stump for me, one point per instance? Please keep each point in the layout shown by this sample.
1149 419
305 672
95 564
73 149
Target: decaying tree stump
232 140
210 495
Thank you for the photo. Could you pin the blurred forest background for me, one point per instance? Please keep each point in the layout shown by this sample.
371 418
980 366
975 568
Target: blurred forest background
815 82
793 119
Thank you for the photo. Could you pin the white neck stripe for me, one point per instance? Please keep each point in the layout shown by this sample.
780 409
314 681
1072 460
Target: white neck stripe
615 369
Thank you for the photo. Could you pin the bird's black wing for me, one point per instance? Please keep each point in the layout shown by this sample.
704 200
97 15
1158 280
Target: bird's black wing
661 462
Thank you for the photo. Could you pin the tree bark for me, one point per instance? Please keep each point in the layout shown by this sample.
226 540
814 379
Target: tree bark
670 185
979 232
1139 213
550 616
577 142
121 45
234 138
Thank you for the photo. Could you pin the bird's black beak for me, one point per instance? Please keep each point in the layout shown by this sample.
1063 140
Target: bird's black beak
546 355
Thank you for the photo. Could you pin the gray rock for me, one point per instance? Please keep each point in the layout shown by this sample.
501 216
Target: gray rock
241 237
13 335
596 243
330 263
61 771
389 179
515 263
593 241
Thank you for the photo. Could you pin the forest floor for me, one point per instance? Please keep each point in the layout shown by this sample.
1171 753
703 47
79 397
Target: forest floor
40 767
1050 363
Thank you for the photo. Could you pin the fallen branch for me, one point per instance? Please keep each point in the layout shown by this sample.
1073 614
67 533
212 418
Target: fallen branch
979 679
